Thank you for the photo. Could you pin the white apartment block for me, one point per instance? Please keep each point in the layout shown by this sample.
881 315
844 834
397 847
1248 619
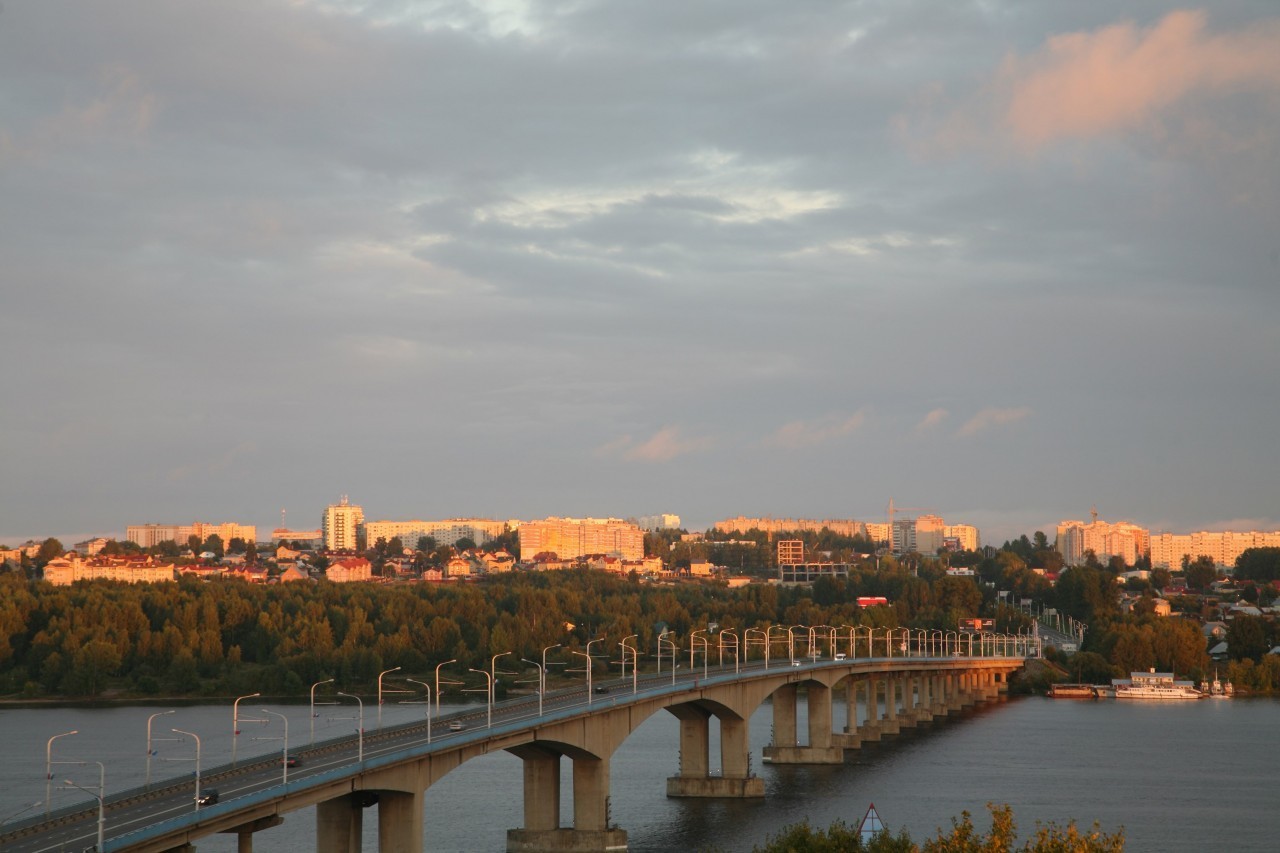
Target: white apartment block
1122 539
569 538
64 571
965 534
341 526
150 535
1223 547
662 521
447 532
838 526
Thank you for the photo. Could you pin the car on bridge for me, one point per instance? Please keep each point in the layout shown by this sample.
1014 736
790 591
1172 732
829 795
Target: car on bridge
208 798
457 726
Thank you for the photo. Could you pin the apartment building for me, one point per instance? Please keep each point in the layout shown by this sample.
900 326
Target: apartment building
150 535
569 538
447 532
341 525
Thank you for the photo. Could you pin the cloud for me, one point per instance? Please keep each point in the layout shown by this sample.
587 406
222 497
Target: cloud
931 421
808 433
1089 84
990 418
663 446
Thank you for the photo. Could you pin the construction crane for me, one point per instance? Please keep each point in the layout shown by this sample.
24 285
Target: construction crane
894 510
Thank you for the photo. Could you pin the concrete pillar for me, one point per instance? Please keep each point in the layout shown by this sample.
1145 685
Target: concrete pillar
400 822
891 699
735 750
244 842
590 794
695 745
784 716
851 706
541 790
819 701
339 826
873 700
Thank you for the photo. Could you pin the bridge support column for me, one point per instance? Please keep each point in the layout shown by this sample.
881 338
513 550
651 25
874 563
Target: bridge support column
909 702
695 779
870 728
785 748
339 825
399 822
849 737
591 832
889 725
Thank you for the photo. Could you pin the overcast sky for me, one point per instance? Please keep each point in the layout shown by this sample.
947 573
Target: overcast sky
520 258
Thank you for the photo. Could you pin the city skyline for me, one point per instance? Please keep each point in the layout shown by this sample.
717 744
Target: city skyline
512 260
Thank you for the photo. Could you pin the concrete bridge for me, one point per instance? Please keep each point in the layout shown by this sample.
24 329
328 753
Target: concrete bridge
903 679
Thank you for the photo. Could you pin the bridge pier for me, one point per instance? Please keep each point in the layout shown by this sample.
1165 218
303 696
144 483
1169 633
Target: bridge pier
695 779
786 749
340 824
244 833
542 832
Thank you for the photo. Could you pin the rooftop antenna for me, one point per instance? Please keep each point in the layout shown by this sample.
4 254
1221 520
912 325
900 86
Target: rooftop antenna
283 526
1093 511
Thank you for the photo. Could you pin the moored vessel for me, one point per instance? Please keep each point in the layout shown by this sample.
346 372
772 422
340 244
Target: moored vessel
1154 685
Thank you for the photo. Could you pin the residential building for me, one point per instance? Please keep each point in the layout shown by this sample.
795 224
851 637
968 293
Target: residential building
306 537
1122 539
150 535
838 526
663 521
569 538
1224 547
341 525
66 570
447 532
349 570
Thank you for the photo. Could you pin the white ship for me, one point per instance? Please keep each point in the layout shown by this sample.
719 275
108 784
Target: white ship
1154 685
1217 689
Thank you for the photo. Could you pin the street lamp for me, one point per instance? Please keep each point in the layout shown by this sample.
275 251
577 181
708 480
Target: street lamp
359 727
48 767
446 681
672 649
488 694
149 719
733 648
100 797
791 642
235 723
384 672
544 674
313 707
693 645
587 669
37 804
426 687
197 740
635 662
769 631
284 750
542 680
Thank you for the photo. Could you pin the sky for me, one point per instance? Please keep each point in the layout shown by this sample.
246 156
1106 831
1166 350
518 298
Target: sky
1001 261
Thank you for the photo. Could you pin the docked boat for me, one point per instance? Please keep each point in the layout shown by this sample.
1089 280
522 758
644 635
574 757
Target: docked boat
1217 689
1072 691
1154 685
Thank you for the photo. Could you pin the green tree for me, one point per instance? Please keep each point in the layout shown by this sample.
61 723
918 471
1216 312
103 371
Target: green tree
1259 564
1200 573
50 549
1247 637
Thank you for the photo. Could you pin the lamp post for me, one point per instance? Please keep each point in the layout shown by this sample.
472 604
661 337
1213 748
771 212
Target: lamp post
426 687
488 695
635 662
587 669
197 740
384 672
747 641
624 651
693 645
37 804
313 707
791 642
359 727
235 723
671 648
284 749
48 767
100 797
149 719
447 681
542 680
590 666
769 645
733 648
544 674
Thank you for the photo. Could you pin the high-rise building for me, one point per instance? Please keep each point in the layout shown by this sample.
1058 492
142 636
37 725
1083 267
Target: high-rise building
569 538
341 525
1122 539
662 521
1224 547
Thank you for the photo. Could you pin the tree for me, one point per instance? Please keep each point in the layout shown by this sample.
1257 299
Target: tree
466 543
1201 572
214 545
426 544
50 549
194 545
1259 564
1247 637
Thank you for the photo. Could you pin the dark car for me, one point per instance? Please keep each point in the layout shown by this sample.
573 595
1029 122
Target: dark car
600 688
293 761
208 798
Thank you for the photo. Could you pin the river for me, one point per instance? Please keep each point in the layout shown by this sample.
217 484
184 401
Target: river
1184 776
